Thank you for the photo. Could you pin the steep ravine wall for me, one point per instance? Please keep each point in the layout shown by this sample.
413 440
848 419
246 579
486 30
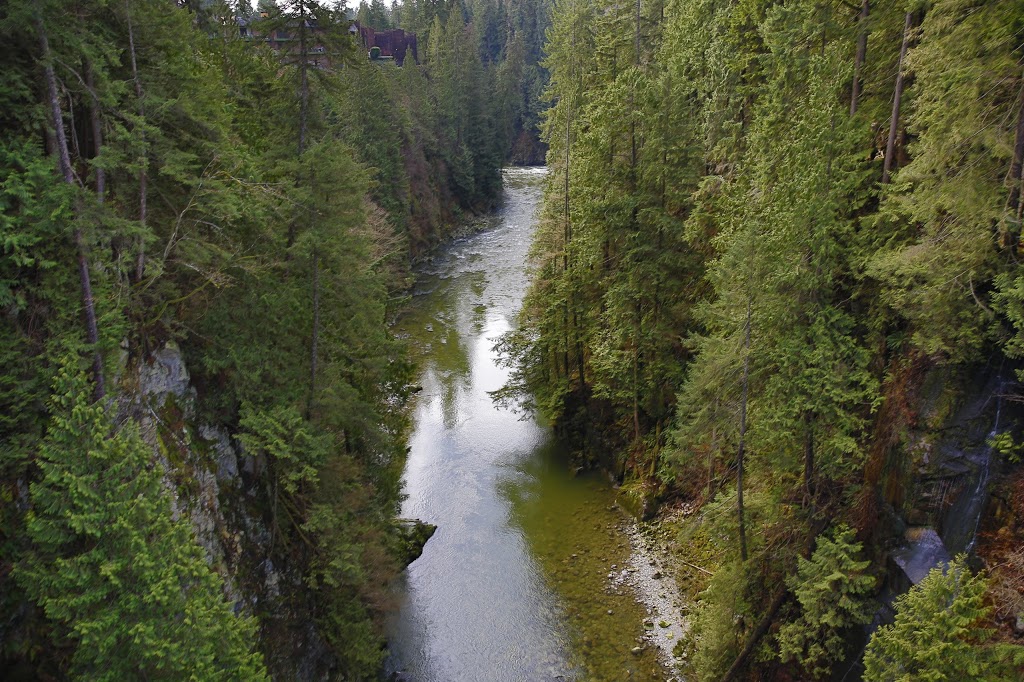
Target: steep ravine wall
951 461
217 486
942 471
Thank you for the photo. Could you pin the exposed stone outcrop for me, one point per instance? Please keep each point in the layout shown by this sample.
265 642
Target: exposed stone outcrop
214 484
413 535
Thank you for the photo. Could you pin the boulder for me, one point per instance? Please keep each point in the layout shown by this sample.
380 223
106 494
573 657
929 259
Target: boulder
413 535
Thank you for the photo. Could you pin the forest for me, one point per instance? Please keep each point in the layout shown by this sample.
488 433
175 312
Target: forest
776 280
176 189
779 251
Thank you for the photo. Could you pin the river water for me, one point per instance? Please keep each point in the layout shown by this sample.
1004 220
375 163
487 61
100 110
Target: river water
514 584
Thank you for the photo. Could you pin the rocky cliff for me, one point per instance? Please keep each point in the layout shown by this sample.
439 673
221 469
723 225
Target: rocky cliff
218 487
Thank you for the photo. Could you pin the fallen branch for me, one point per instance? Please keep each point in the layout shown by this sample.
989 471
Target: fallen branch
702 570
755 637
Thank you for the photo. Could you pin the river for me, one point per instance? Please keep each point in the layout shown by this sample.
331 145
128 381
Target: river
514 585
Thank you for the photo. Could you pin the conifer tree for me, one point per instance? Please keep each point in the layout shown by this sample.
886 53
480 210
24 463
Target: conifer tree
182 192
120 577
941 634
833 592
963 118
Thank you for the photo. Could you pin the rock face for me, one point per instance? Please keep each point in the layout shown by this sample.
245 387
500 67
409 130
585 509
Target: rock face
952 452
227 454
215 486
923 551
165 374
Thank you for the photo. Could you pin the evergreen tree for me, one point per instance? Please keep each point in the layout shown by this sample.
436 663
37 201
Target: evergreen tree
941 634
949 203
122 579
833 593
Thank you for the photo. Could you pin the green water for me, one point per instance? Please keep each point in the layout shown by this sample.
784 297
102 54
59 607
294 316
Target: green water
513 585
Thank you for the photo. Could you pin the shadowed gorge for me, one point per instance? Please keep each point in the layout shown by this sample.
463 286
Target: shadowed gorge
444 340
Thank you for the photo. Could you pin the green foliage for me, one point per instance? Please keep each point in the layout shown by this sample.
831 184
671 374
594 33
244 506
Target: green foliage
32 213
940 634
464 105
1005 445
833 592
252 205
28 217
715 248
962 118
294 450
722 607
260 208
122 579
374 14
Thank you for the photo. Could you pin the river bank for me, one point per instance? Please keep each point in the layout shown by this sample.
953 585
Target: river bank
523 577
629 572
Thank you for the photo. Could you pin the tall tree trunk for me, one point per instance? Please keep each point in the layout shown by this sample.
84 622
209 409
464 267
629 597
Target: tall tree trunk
894 122
759 631
580 356
303 105
64 163
763 625
140 243
809 487
96 122
711 456
303 132
862 50
743 435
637 335
314 352
303 79
1013 178
657 450
636 35
711 463
566 239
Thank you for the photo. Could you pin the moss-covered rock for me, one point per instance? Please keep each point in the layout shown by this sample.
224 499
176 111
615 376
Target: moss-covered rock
413 535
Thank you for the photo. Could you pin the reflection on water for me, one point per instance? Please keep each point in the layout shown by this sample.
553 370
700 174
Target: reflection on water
475 604
485 601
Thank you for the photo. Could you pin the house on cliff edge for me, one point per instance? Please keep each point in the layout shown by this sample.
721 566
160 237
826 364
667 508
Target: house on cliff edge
394 44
